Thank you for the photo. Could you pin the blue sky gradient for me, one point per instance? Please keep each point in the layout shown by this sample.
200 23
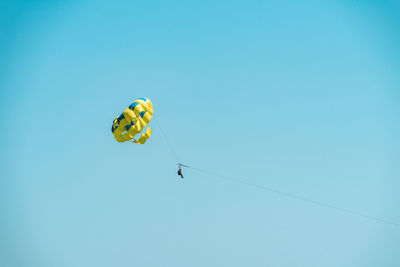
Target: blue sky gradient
300 96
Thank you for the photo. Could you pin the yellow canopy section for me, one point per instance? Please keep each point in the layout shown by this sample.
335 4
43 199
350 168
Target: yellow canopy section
133 121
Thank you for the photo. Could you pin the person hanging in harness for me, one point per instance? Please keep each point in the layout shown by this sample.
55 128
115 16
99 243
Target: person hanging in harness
180 172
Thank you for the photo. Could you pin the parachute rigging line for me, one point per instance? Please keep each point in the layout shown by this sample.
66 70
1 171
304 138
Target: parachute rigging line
166 140
159 156
162 148
297 197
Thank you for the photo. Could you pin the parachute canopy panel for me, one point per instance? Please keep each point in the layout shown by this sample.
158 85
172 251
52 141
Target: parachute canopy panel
133 121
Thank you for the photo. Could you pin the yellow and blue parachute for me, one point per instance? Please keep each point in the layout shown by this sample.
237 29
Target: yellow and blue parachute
133 121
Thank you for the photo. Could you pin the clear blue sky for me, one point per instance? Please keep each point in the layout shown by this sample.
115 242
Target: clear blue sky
300 96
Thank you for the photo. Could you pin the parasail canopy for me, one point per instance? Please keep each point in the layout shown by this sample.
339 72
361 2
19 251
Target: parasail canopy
134 120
